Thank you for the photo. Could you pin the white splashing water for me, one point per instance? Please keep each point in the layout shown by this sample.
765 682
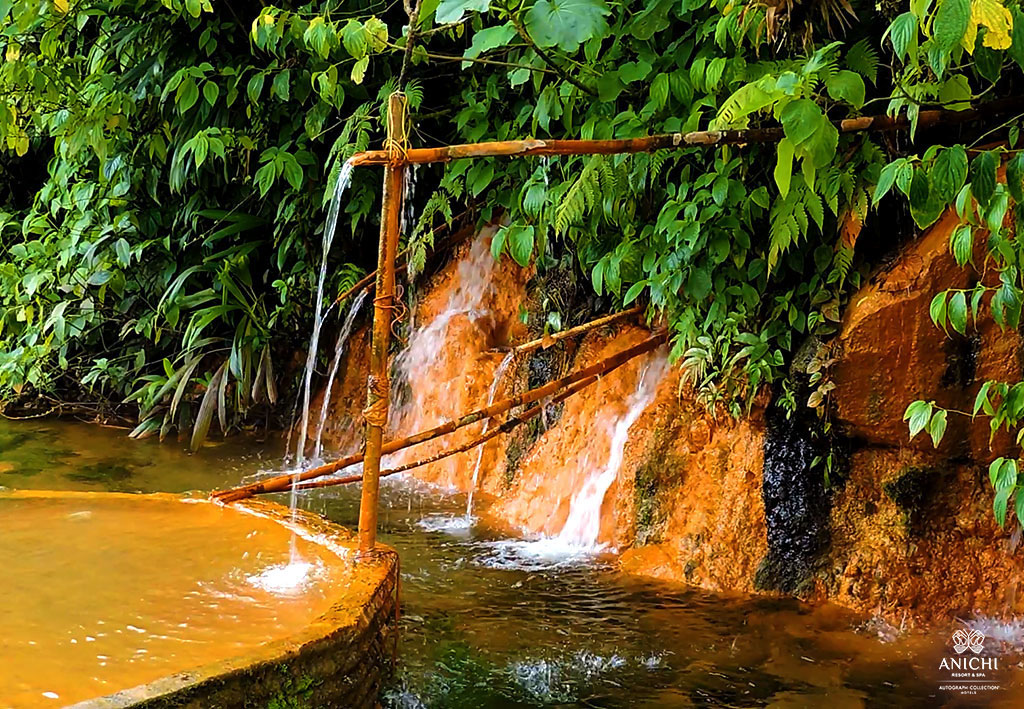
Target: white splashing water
584 522
498 375
577 543
283 578
1001 634
339 350
344 178
418 362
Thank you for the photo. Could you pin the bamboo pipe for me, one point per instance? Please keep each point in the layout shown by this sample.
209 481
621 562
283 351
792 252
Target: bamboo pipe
671 141
549 340
283 482
378 389
480 440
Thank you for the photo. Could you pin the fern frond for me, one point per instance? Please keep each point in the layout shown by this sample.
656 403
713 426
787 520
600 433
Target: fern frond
581 197
863 59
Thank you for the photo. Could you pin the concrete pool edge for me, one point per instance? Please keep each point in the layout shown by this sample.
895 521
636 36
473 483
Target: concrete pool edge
340 659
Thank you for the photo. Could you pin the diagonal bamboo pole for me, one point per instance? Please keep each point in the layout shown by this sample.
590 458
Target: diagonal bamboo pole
505 427
547 341
280 483
378 389
707 138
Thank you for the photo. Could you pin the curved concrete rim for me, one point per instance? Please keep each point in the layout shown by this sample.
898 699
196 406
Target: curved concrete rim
347 615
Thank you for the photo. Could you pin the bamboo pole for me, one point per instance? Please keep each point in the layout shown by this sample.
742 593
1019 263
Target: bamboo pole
505 427
378 389
671 141
283 482
549 340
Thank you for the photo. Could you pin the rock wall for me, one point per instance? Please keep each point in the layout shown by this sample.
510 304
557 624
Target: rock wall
904 531
890 353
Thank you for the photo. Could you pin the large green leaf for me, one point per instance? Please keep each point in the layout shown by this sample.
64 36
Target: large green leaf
454 10
566 24
520 243
488 39
951 20
949 172
903 34
846 86
983 176
654 18
801 120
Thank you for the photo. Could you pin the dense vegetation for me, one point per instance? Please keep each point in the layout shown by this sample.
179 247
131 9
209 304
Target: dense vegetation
164 164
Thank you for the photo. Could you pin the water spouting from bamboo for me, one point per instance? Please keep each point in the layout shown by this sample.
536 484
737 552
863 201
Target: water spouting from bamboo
339 350
498 375
344 178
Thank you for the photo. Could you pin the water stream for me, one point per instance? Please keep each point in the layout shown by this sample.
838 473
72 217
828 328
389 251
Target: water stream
344 178
583 525
339 350
330 227
576 636
491 393
578 542
427 343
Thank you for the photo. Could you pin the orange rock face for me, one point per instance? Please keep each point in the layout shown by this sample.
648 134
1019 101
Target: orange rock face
915 539
892 354
708 516
911 533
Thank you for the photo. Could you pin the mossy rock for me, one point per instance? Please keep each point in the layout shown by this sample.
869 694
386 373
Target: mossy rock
910 489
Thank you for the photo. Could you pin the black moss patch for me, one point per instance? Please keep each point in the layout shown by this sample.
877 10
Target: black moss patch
961 361
910 490
796 502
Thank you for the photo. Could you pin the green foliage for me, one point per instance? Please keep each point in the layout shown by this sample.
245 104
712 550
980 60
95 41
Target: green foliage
951 52
167 253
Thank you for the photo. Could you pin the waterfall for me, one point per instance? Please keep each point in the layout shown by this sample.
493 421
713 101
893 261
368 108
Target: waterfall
584 522
419 363
498 375
339 349
344 177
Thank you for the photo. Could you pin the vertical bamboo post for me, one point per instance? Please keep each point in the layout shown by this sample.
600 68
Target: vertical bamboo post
377 385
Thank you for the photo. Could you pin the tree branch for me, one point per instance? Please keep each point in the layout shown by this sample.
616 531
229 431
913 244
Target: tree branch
562 73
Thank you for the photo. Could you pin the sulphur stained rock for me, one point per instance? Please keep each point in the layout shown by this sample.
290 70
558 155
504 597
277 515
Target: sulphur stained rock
891 353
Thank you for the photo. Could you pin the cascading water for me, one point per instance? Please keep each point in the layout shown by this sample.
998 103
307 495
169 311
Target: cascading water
418 363
583 525
578 540
498 375
339 349
344 178
409 193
